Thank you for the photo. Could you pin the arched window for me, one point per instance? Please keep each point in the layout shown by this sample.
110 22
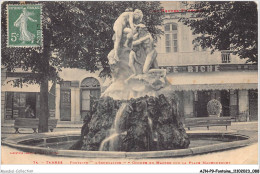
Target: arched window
90 91
90 82
171 37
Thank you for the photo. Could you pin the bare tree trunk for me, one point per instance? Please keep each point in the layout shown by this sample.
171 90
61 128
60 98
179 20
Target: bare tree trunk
44 109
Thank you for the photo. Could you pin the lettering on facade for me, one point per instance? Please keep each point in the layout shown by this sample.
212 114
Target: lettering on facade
192 69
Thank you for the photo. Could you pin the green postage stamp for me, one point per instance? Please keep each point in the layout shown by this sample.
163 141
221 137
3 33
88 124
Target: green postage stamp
24 25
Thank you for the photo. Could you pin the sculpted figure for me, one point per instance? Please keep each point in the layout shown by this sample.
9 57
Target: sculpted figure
133 60
136 74
146 40
132 55
122 24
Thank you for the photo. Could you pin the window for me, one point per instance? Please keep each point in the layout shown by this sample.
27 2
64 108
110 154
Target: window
90 91
85 100
171 38
20 104
225 56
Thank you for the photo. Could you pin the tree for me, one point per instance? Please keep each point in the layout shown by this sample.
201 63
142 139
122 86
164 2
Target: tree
75 35
226 25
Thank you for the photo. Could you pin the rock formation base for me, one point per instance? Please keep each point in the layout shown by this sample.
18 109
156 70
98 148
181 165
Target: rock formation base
143 124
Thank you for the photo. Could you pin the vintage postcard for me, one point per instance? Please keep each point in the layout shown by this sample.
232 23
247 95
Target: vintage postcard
127 83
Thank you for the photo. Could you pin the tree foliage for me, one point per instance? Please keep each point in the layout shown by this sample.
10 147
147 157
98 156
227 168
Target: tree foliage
226 25
75 35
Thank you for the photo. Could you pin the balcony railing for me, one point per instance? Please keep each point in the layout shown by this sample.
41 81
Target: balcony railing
225 56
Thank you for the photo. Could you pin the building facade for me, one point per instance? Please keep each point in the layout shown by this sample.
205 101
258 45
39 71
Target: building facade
199 76
69 100
195 74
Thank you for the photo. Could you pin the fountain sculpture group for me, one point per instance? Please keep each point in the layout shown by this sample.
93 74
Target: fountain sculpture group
137 111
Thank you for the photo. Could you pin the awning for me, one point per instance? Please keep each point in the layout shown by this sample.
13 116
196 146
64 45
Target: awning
8 86
213 81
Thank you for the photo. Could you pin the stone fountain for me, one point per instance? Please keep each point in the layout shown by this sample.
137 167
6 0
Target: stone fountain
137 111
137 115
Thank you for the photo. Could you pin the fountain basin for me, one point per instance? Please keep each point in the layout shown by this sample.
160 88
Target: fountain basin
58 143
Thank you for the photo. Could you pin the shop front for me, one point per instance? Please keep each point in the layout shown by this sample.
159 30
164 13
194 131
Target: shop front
24 101
69 100
20 101
203 97
236 90
21 104
72 99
